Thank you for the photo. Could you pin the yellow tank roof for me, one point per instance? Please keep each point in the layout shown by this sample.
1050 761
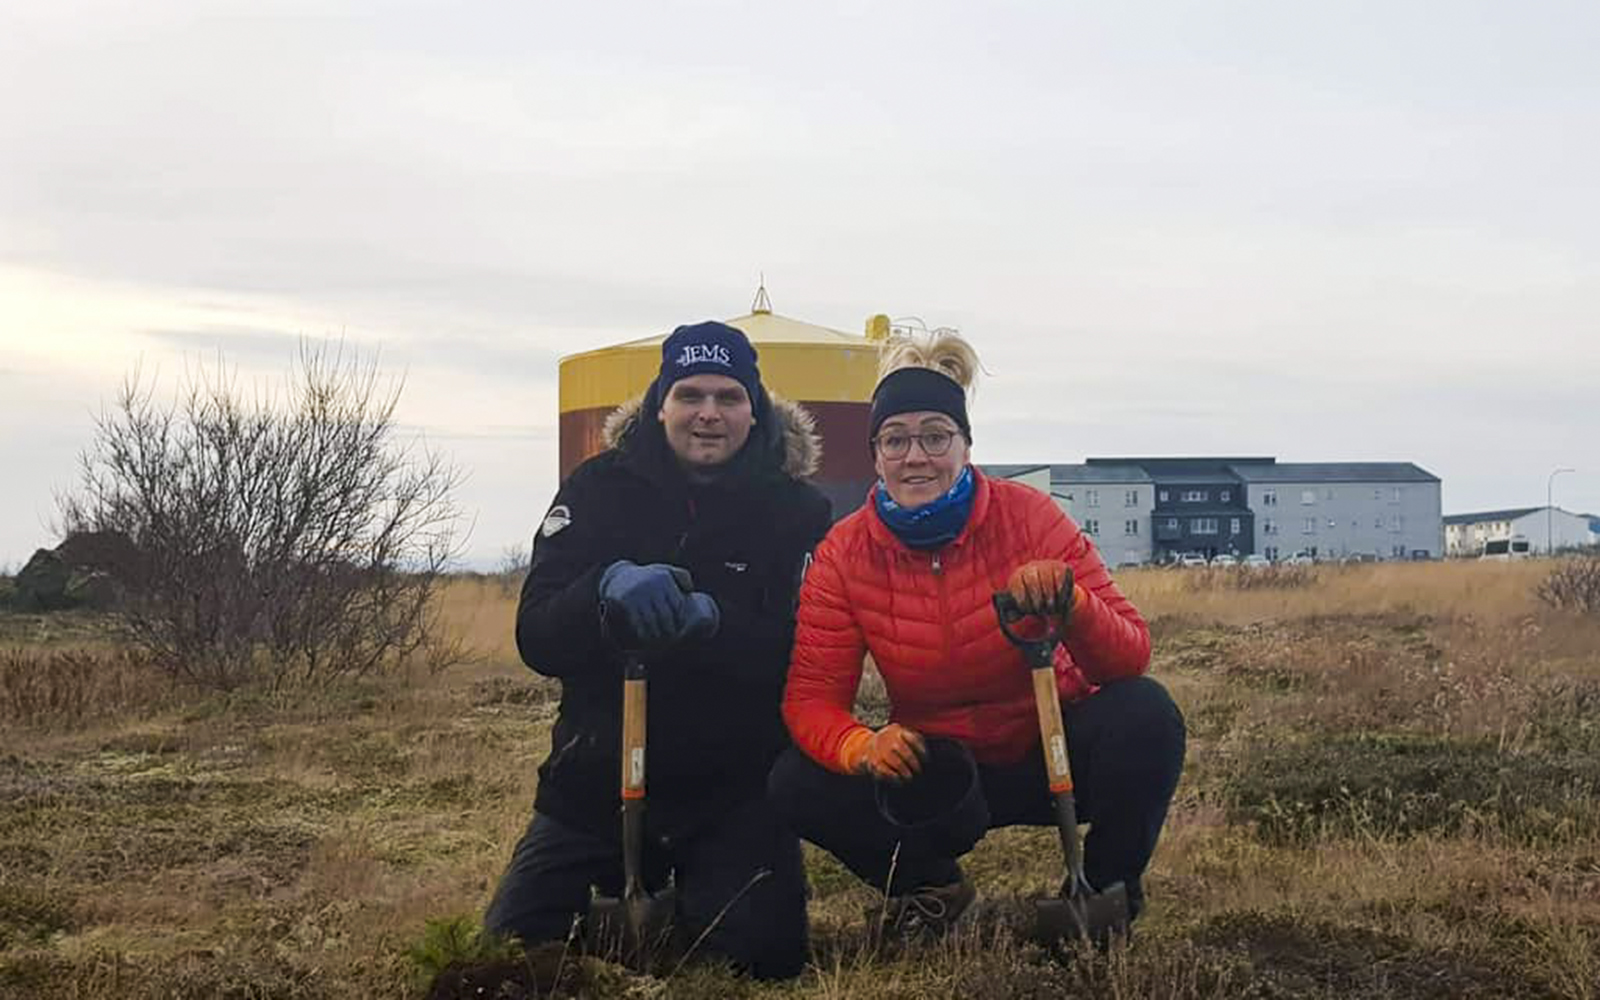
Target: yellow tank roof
761 328
800 360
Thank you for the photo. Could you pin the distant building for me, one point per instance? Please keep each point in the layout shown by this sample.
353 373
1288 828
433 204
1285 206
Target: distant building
1156 509
1543 527
1113 503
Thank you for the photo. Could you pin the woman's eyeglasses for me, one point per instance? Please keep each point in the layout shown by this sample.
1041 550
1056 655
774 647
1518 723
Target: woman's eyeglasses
897 444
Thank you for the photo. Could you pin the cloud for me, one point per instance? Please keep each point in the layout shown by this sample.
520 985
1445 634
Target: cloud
232 342
1167 227
510 432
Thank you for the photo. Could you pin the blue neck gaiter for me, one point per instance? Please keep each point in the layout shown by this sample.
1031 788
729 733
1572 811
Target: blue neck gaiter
933 524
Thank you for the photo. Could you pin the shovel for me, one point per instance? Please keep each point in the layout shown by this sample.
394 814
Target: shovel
1079 912
636 927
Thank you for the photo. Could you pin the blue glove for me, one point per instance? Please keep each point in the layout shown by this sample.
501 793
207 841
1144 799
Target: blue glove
701 617
649 603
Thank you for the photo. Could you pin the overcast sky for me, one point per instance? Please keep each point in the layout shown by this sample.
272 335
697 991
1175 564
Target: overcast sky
1339 231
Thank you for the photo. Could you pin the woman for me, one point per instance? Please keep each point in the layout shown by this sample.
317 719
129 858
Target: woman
909 578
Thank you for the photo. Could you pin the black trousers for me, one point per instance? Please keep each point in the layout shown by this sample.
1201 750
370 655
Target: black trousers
763 932
1126 746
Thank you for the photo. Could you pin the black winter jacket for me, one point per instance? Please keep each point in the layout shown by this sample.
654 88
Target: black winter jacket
714 722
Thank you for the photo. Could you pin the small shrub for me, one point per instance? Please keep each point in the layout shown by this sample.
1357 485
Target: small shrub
457 940
1278 576
1574 585
29 916
513 569
64 688
1401 786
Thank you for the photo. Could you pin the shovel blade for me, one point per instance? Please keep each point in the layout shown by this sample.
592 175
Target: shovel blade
1093 917
635 930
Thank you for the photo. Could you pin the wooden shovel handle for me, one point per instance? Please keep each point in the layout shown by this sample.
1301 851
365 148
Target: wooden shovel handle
1052 733
633 731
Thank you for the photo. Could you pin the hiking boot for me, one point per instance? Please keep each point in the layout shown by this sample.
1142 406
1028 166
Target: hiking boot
925 913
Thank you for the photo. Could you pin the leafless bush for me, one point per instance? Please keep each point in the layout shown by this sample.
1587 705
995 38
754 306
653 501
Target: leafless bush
67 687
288 540
513 568
1574 585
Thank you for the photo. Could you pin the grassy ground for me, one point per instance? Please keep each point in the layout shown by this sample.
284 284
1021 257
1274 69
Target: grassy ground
1393 791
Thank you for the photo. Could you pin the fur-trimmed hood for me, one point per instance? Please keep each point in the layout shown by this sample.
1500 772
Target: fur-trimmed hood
802 445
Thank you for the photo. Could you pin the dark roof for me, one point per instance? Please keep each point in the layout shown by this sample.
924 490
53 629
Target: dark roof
1068 474
1508 514
1181 464
1221 477
1512 513
1202 471
1000 471
1335 472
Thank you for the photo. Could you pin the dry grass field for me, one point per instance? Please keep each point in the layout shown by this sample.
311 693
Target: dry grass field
1393 790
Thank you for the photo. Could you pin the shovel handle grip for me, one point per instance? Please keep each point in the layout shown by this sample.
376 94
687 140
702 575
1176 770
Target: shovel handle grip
1038 650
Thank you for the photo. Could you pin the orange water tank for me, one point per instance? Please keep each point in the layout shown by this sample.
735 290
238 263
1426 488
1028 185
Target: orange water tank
828 371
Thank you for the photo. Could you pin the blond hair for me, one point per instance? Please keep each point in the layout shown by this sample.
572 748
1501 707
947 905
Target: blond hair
943 350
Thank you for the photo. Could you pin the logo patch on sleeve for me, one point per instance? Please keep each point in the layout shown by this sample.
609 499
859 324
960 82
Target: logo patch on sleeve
558 518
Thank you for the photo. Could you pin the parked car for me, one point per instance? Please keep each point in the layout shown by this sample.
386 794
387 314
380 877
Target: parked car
1192 559
1300 559
1223 559
1255 560
1515 547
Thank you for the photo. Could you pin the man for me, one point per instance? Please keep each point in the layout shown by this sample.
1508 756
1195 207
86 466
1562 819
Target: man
702 475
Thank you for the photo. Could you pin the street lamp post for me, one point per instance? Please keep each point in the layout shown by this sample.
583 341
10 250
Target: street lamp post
1549 511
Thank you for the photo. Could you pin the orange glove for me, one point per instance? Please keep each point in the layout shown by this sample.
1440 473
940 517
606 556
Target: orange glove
1045 587
893 753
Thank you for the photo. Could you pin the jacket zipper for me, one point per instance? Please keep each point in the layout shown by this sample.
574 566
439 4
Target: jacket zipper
944 603
683 538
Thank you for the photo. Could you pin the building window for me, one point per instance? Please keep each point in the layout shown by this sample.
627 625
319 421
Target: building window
1225 495
1332 524
1130 527
1271 552
1091 497
1091 527
1398 551
1394 495
1377 522
1163 496
1130 498
1310 526
1172 524
1233 526
1203 526
1308 496
1269 527
1196 496
1269 498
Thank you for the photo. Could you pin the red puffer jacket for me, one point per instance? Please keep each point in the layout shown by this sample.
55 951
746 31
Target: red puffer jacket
928 620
